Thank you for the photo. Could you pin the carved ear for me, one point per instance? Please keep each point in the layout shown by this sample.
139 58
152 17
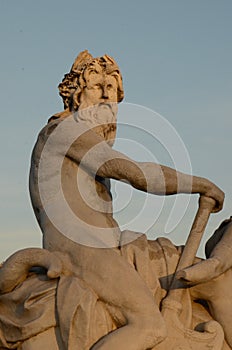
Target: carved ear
81 60
120 87
75 99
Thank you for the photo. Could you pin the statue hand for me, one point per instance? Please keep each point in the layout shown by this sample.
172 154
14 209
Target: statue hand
201 272
211 190
219 254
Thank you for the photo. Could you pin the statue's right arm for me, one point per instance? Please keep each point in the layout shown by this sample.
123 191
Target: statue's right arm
93 153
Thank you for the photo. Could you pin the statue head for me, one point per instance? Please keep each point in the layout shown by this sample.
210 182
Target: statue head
83 69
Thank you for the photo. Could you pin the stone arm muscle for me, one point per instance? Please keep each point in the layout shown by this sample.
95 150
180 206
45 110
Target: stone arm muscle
91 152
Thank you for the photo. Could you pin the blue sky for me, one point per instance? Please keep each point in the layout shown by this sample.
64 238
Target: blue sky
175 57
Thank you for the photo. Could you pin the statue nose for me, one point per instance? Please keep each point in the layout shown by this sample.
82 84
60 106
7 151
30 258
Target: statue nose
105 94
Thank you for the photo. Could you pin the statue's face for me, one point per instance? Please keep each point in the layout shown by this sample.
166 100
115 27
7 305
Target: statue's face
98 103
100 88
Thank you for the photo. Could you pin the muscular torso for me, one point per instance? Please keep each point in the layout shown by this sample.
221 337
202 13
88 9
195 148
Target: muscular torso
87 207
88 197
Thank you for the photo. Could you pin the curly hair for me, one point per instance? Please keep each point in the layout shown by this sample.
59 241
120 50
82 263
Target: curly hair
74 82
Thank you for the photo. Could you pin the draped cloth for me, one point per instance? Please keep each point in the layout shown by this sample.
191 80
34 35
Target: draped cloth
66 313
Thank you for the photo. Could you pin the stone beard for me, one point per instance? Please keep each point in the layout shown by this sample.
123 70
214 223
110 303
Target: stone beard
102 118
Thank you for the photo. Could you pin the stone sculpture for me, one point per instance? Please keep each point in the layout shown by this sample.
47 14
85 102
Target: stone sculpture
92 286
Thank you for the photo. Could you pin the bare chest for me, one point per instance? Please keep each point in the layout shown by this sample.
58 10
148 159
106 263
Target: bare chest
82 189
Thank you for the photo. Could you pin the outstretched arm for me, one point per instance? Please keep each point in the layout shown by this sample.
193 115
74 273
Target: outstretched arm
91 152
160 179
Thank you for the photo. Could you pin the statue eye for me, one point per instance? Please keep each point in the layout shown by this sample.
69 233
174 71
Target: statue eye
109 86
97 86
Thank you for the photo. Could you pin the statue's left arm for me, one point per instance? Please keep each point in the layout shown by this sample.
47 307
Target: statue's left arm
94 154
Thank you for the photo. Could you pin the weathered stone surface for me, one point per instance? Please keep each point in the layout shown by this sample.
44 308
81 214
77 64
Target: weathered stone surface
93 286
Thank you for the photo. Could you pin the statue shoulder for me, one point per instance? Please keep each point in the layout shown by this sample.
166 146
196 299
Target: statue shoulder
53 122
60 115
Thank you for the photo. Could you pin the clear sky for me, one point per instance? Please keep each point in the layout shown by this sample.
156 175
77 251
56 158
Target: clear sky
175 57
